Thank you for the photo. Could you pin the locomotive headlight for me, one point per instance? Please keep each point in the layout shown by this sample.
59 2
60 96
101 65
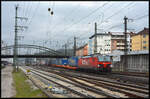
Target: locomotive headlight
111 65
99 65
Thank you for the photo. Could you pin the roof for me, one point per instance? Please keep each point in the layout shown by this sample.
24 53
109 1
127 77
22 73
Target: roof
111 33
81 47
138 52
118 53
144 31
99 34
120 33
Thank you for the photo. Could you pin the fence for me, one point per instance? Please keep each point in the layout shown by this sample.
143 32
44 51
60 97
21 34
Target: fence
135 63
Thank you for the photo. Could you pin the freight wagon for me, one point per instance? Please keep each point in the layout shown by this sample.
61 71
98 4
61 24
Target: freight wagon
73 63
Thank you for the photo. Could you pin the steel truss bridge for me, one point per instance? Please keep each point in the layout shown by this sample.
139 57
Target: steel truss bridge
33 51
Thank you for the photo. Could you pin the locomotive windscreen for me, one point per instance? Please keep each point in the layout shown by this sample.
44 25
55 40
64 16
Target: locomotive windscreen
104 58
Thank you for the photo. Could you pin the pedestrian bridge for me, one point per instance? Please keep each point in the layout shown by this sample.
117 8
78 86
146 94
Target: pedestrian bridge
31 51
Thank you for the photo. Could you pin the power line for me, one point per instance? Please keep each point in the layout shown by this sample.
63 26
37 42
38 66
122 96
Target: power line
66 17
24 9
30 9
27 9
102 13
49 24
118 25
29 22
85 16
114 26
127 6
141 17
34 13
23 6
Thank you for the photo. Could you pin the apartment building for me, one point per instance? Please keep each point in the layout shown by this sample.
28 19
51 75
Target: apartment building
103 45
118 41
140 41
82 51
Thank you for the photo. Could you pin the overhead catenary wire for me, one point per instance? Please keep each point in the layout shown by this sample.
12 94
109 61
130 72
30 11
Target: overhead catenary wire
27 9
141 17
29 21
51 19
30 9
116 13
36 8
98 16
108 8
118 25
83 18
23 8
69 14
91 13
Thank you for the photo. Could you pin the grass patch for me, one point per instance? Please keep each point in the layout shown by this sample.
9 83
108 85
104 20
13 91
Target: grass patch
23 89
2 67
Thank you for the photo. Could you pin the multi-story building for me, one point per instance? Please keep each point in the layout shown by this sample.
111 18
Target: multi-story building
140 41
118 41
103 45
82 51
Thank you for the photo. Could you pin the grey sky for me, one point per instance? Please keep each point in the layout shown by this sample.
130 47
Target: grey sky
69 19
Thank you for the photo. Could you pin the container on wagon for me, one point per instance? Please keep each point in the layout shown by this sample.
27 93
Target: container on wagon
73 61
64 62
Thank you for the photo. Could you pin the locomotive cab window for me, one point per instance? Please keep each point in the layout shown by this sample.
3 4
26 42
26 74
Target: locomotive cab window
104 58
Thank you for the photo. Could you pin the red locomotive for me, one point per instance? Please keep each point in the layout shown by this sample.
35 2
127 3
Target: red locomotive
99 63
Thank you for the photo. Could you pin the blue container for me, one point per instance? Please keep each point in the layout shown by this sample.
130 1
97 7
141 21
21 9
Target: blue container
53 61
58 61
64 62
73 61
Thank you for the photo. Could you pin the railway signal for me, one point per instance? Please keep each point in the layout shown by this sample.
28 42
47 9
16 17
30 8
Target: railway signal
51 12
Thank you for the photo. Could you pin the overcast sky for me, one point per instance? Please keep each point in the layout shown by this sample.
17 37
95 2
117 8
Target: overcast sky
70 19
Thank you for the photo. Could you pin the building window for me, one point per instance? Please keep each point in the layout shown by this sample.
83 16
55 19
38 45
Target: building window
144 47
144 35
144 41
118 41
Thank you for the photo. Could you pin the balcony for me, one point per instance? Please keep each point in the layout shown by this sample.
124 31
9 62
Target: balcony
120 47
120 44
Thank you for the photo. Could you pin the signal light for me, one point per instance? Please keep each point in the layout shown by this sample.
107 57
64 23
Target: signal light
52 13
49 9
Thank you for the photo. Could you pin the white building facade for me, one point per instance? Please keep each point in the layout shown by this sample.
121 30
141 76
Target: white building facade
103 45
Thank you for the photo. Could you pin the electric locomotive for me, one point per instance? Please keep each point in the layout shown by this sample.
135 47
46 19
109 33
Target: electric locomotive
99 63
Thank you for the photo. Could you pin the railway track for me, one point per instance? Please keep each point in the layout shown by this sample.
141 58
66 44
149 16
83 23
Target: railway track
106 88
132 74
55 81
141 81
81 90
